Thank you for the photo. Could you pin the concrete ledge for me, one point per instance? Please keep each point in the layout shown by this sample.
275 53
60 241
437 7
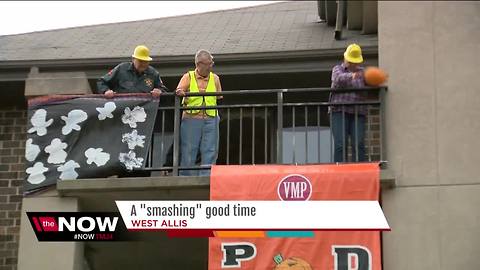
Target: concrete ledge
387 179
107 185
72 187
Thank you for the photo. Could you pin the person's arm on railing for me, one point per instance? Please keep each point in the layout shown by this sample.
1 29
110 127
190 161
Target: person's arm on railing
342 78
358 80
106 83
158 87
218 86
183 86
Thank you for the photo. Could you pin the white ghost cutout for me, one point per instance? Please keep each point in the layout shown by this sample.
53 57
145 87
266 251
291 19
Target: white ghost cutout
68 170
31 150
131 117
130 160
133 139
36 173
97 156
72 120
106 111
55 149
39 122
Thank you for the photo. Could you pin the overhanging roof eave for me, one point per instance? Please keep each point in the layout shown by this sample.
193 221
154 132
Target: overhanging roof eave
327 53
15 70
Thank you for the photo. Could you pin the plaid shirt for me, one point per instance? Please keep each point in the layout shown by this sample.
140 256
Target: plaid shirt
343 78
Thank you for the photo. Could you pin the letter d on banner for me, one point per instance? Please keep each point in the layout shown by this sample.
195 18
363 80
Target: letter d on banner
343 258
235 253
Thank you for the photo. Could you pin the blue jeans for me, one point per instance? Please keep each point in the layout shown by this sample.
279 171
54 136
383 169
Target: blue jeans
338 129
198 134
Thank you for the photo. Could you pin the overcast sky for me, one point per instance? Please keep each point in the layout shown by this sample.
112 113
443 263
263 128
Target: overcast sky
29 16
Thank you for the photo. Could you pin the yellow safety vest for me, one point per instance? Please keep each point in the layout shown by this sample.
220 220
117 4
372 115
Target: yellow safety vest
199 100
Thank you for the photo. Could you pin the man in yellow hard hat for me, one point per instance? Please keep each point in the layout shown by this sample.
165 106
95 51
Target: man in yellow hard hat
136 76
348 120
133 77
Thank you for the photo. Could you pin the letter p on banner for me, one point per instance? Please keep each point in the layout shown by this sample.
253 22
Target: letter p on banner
235 253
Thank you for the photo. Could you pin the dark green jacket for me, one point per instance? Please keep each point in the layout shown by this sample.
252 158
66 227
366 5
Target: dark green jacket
124 79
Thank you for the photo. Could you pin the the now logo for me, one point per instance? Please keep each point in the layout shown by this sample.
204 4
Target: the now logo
88 224
74 224
78 226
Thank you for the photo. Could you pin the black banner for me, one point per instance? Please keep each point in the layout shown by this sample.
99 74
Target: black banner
87 136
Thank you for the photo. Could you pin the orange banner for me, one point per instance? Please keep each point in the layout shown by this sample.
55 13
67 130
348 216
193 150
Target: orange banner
337 250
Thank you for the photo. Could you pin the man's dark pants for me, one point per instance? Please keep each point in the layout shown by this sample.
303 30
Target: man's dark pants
356 131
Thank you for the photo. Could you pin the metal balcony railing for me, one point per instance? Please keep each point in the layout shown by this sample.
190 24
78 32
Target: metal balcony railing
270 126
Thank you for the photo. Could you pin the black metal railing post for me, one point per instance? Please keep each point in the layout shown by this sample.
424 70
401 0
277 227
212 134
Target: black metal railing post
280 126
382 128
176 135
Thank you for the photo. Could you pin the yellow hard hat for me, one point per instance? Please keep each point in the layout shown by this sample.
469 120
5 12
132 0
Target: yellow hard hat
142 53
353 54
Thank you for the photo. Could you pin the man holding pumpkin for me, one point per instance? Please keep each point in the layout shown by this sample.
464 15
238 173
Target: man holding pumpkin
348 120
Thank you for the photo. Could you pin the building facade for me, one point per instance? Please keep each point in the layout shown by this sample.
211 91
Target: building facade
428 48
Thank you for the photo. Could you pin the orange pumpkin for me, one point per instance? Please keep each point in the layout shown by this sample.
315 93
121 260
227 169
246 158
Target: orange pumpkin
374 76
293 263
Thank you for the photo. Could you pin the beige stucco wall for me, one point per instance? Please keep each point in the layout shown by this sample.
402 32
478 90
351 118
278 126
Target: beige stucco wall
431 51
33 254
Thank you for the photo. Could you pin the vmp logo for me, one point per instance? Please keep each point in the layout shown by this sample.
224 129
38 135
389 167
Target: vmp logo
294 187
75 226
